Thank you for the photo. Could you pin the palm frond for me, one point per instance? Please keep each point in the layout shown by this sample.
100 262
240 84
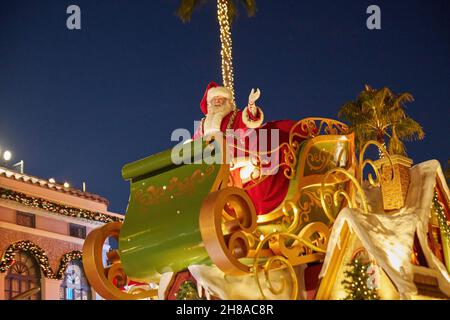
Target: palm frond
363 133
349 111
396 146
379 113
395 114
401 99
187 7
409 129
395 106
232 10
250 7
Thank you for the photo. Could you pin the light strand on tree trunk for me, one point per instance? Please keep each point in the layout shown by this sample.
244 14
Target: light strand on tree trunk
226 45
440 214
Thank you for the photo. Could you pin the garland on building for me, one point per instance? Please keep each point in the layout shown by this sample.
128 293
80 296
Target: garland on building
66 258
41 257
357 281
31 248
56 208
441 217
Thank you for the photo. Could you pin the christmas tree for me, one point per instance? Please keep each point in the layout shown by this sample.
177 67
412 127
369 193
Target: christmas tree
357 283
188 291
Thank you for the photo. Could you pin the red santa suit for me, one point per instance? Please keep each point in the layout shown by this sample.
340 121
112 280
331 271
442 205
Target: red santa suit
268 194
234 119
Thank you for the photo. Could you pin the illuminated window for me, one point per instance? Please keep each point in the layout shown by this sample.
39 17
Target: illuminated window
22 276
75 285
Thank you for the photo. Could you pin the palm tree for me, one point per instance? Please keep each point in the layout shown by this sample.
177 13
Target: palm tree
226 12
377 114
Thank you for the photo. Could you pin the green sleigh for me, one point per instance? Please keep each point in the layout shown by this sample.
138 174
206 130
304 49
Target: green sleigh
179 215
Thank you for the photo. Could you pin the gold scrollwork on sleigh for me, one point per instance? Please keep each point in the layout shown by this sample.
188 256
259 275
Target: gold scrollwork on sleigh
107 280
289 250
287 153
227 216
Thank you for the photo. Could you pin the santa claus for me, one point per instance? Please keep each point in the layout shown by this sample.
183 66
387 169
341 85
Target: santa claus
221 115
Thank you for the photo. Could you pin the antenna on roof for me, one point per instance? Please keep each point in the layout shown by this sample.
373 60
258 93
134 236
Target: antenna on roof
21 165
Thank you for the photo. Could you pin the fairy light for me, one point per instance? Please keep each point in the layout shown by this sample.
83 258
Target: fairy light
31 248
66 258
55 208
355 282
225 39
41 257
440 214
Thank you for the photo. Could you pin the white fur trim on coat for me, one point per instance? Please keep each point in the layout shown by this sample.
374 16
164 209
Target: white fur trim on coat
249 122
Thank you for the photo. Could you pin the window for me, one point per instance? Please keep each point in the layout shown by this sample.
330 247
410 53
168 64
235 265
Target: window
75 285
26 219
77 231
22 276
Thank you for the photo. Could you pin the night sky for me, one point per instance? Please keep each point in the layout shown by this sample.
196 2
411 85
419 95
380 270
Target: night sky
78 105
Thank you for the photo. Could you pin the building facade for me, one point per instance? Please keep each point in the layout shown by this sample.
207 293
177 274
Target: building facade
42 230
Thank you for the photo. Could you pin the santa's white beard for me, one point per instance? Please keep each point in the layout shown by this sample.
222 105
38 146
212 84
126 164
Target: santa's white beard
215 116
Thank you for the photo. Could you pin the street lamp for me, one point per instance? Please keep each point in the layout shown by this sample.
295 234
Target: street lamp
7 155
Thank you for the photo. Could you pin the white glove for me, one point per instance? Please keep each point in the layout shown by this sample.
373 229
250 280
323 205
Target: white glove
254 95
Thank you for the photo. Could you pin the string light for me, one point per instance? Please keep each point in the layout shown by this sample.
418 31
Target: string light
66 258
440 214
41 257
31 248
355 282
56 208
226 42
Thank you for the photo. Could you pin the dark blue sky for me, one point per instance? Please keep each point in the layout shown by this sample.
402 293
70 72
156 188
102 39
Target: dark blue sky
78 105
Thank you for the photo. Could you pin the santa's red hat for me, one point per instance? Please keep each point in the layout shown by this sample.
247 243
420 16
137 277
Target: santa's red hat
213 90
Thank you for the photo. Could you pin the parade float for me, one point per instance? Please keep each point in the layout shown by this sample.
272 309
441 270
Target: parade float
345 225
